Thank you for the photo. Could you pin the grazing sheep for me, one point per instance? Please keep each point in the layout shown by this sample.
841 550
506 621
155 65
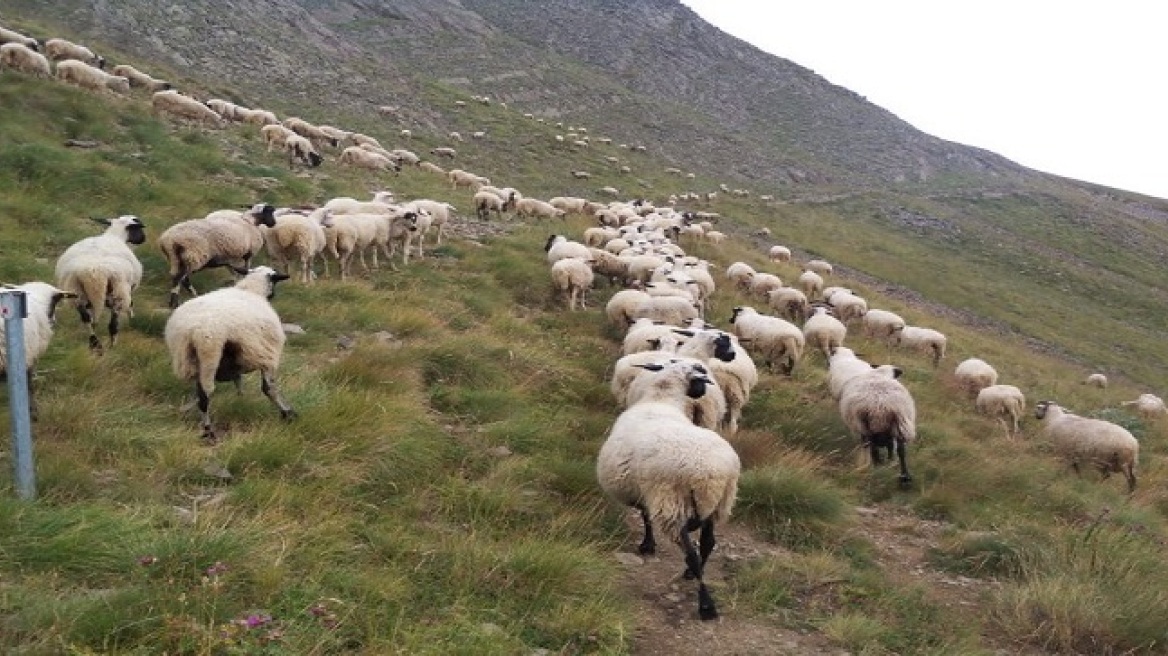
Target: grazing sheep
1096 380
78 73
260 117
486 202
615 269
58 49
358 233
1003 402
779 342
811 283
848 306
227 333
779 254
274 134
103 272
609 191
301 149
821 267
431 167
581 175
880 411
311 132
679 476
364 159
674 310
454 136
175 104
1081 440
459 178
444 151
41 301
824 332
740 274
24 59
559 247
536 208
1149 406
191 246
298 237
139 79
922 339
440 215
12 36
572 279
762 284
621 306
882 324
841 367
790 303
973 375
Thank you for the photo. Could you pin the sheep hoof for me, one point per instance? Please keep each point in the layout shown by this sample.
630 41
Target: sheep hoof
905 481
288 414
95 344
209 437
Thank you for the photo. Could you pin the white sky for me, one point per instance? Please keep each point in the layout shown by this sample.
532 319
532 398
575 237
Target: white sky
1073 87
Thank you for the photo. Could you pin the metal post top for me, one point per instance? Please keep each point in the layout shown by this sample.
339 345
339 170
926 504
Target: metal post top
13 304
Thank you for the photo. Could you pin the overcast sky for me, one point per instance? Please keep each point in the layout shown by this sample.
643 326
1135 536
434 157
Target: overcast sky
1075 88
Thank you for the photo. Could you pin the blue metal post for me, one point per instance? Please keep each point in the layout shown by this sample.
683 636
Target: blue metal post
13 310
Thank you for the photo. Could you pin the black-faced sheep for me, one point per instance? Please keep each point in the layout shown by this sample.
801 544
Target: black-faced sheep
191 246
227 333
103 272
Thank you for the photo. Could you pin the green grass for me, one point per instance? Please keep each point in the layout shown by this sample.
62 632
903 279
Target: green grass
437 493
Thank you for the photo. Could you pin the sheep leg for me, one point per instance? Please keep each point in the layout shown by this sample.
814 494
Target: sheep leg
1129 470
203 400
113 326
905 477
648 545
268 385
85 310
706 608
874 451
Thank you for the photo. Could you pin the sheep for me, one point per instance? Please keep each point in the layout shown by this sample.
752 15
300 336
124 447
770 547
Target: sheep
1081 440
310 132
364 159
12 36
882 324
226 333
459 178
825 332
1149 406
559 247
260 117
621 305
191 246
779 254
675 310
973 375
358 233
609 191
1096 380
486 202
679 476
736 377
347 205
274 134
841 367
301 148
407 157
573 278
431 167
778 341
790 303
740 274
80 74
40 303
24 59
878 410
58 49
703 347
184 107
761 284
821 267
615 269
299 237
444 151
103 272
581 175
454 136
922 339
848 306
1003 402
537 208
440 215
811 283
139 79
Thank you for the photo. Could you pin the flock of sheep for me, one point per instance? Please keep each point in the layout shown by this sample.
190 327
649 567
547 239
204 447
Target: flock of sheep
681 383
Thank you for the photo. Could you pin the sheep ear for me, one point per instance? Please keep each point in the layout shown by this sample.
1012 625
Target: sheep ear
650 367
685 333
277 277
897 372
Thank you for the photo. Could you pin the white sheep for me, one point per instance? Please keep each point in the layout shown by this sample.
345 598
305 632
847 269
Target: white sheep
486 202
311 132
12 36
848 306
811 283
1003 402
80 74
227 333
197 244
621 305
139 79
679 476
841 367
539 209
779 254
363 159
779 342
878 410
444 151
40 299
440 215
824 332
572 279
58 49
1081 440
301 149
103 272
674 310
459 178
762 284
790 303
740 274
20 57
1149 406
882 324
922 339
175 104
298 237
559 247
974 374
821 267
1096 380
431 167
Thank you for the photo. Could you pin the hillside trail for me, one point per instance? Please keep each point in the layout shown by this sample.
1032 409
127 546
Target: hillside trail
667 620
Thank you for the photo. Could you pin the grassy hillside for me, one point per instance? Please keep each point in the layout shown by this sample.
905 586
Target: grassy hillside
437 494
